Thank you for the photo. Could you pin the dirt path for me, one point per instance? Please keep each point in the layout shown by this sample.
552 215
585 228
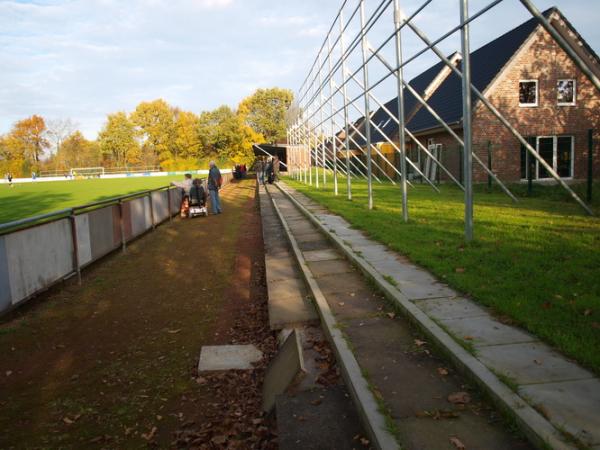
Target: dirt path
112 363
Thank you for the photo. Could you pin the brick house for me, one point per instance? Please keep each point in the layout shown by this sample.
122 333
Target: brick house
532 82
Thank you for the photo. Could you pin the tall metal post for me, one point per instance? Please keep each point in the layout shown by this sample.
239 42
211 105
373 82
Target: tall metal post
322 137
401 120
345 95
332 110
590 174
308 133
467 132
367 121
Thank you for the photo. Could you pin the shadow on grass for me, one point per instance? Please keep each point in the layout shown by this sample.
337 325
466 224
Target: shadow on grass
20 205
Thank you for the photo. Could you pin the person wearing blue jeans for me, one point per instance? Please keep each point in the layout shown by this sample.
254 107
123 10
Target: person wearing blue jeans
214 184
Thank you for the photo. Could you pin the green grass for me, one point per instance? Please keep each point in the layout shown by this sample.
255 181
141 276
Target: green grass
536 261
31 199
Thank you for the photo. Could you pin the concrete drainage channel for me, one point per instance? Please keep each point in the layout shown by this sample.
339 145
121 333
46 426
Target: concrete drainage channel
407 395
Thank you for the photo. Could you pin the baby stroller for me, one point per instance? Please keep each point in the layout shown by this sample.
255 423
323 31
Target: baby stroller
197 199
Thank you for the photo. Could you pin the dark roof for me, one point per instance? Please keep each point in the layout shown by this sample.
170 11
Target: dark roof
486 63
383 120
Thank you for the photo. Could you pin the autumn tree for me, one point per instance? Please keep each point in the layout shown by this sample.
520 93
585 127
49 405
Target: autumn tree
265 112
27 139
187 138
156 127
77 151
118 141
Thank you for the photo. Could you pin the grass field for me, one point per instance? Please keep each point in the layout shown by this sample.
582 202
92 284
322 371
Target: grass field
30 199
537 262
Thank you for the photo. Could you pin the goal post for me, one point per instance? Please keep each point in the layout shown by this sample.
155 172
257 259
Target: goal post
86 172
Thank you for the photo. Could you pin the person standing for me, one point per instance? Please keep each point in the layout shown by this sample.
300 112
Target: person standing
186 186
259 166
214 184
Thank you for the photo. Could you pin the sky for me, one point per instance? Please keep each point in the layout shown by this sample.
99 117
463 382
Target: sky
83 59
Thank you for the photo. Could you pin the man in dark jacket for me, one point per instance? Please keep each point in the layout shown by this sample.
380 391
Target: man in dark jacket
214 184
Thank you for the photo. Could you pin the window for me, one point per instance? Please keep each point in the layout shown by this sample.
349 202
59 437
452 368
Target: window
528 93
565 92
556 151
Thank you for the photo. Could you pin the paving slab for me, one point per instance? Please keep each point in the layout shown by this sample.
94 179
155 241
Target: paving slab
330 267
318 420
280 268
485 330
228 357
573 406
321 255
288 304
374 252
450 308
304 227
314 245
532 362
311 238
474 434
359 304
286 368
341 283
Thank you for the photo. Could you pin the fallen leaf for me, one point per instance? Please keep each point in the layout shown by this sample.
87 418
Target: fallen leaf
201 380
174 331
68 421
459 398
420 343
587 312
538 362
219 440
316 402
341 303
352 294
460 270
457 443
442 371
391 315
149 436
546 305
9 373
468 338
364 441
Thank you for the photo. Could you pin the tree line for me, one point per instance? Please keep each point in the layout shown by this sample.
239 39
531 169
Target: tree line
154 134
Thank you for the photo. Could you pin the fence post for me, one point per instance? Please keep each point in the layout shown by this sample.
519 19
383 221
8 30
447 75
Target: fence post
489 161
122 226
169 204
76 265
590 174
151 210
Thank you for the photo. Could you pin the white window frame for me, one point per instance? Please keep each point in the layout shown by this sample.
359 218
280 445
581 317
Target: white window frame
574 102
554 155
537 94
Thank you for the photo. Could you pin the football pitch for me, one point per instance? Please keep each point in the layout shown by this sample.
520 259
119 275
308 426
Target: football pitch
31 199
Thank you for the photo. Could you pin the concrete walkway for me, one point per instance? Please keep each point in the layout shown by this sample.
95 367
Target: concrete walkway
567 396
416 387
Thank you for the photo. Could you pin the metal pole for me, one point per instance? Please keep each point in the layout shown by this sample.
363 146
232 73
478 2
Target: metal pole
122 225
346 119
489 161
590 174
367 115
467 132
401 126
76 264
333 145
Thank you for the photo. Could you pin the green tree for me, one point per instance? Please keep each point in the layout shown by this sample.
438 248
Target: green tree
156 125
117 140
265 112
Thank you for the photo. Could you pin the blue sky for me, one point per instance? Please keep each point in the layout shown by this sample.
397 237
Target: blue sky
83 59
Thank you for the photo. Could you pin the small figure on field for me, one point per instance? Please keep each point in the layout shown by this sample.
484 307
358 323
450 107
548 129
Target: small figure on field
10 178
215 180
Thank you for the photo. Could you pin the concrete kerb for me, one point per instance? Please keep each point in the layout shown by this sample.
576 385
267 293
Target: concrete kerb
538 429
373 420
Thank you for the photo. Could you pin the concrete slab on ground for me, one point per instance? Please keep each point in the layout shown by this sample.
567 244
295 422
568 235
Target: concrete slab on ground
530 363
317 420
330 267
313 237
321 255
286 368
314 245
279 268
341 283
228 357
485 330
359 304
573 406
450 308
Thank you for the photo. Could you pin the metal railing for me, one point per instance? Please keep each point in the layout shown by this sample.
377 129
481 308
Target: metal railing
322 110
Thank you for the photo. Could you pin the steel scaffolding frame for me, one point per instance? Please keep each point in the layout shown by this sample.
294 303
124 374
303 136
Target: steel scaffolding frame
321 111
